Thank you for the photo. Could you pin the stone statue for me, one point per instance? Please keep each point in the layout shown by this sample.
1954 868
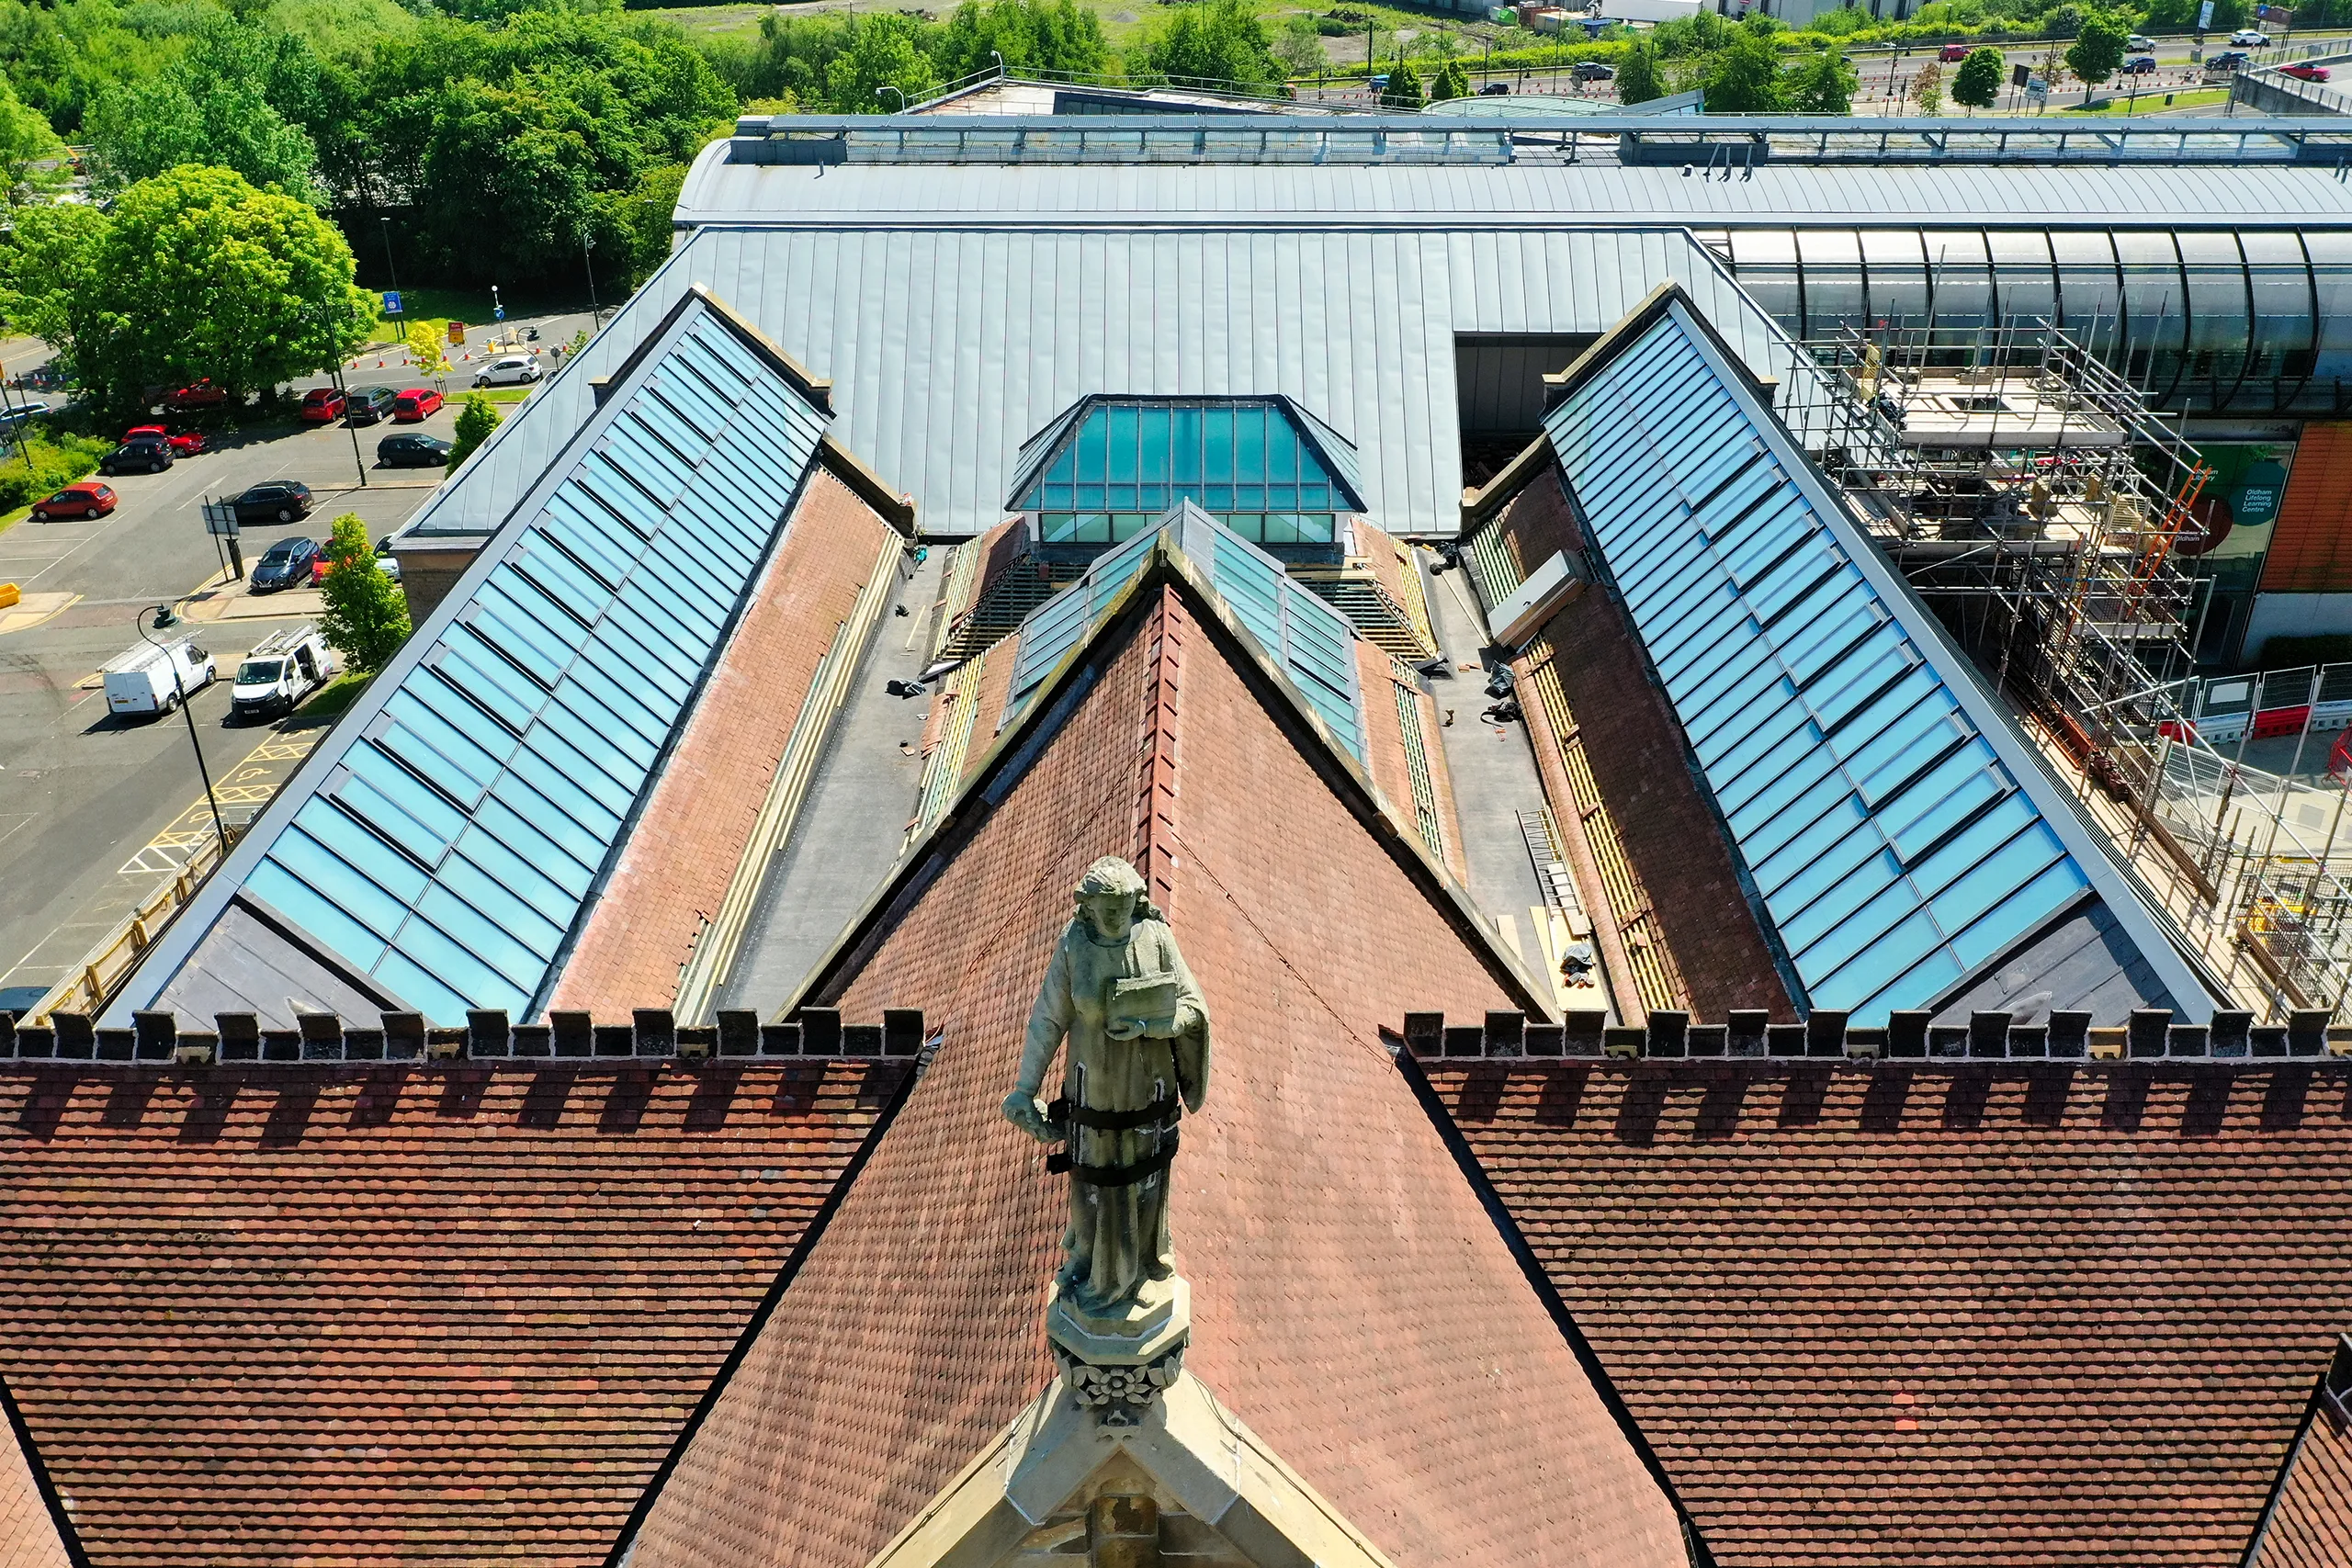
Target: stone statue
1137 1058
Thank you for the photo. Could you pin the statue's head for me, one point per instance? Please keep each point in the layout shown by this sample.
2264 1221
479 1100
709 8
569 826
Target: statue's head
1112 898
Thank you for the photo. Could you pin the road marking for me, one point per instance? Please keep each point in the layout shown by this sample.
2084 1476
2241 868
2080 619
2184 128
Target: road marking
251 783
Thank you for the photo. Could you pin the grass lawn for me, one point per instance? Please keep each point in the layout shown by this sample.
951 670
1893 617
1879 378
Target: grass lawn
507 394
340 692
2154 103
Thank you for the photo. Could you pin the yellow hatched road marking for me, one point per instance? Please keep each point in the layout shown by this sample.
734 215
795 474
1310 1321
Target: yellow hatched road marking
251 783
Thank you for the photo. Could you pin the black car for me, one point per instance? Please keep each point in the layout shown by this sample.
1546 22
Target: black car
412 451
137 457
286 564
1593 71
369 404
279 500
1495 90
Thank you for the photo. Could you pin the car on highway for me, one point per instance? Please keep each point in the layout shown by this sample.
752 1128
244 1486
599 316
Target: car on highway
278 500
412 450
2141 44
1952 51
183 442
2228 62
2140 65
284 564
88 499
521 369
369 404
149 455
413 404
2302 71
1593 71
323 405
2248 37
198 395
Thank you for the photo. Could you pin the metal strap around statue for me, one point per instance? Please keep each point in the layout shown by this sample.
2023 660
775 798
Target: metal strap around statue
1163 1111
1115 1175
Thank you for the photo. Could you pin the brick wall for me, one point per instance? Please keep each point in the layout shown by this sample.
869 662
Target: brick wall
690 837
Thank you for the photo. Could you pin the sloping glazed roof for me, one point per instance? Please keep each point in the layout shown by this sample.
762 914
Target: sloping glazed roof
2309 1521
2002 1315
1351 1300
1898 833
438 852
392 1316
1320 455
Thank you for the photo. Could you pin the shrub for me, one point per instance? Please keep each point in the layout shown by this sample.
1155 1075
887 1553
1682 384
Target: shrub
54 461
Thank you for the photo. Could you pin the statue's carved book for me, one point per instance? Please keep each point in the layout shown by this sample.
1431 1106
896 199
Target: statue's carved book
1143 997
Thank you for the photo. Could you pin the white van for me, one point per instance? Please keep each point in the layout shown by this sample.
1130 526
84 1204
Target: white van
284 668
141 681
509 370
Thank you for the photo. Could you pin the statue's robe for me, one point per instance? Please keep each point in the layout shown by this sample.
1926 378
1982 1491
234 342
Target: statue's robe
1118 1234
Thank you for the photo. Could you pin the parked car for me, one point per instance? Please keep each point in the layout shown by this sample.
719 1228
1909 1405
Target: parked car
414 404
16 414
151 681
279 500
2140 43
284 668
1952 51
1593 71
369 404
284 564
88 499
387 562
200 395
2248 37
1495 90
2140 65
151 455
323 405
2304 72
412 450
521 369
184 443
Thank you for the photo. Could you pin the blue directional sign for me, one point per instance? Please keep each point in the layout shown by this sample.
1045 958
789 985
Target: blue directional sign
391 301
499 314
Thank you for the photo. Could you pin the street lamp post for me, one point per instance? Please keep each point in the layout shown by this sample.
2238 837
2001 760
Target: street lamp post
335 375
888 88
389 267
164 621
593 311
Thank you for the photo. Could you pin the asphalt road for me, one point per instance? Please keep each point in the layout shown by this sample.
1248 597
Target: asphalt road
94 812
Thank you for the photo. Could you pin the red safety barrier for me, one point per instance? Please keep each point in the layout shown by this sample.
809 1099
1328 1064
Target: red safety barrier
2271 722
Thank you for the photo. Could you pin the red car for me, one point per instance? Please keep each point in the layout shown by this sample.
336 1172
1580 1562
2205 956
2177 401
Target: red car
323 405
88 499
414 404
186 444
2303 73
1952 51
202 395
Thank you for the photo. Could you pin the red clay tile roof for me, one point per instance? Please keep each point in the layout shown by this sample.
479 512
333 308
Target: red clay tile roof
402 1314
1353 1300
1977 1316
2309 1524
29 1537
690 836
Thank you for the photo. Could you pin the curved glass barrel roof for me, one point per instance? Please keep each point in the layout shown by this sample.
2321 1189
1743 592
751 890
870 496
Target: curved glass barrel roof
471 803
1888 819
1108 467
1308 640
2242 321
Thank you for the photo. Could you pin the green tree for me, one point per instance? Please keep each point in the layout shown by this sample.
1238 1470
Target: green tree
1215 42
366 618
427 350
220 102
885 50
196 273
2098 53
1823 85
1450 83
1037 38
1977 83
1638 79
32 159
49 277
1928 88
1299 45
1404 88
476 420
645 216
1743 78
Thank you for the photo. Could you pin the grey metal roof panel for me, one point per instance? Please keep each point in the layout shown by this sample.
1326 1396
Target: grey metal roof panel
2082 960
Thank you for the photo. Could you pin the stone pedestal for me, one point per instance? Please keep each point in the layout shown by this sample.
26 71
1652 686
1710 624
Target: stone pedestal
1116 1363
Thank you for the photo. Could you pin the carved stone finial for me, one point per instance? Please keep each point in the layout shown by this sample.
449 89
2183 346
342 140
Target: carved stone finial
1119 1005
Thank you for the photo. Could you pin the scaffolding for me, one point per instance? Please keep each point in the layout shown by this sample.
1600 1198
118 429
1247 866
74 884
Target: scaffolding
2034 501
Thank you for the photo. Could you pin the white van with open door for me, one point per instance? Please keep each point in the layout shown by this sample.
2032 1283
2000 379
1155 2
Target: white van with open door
284 668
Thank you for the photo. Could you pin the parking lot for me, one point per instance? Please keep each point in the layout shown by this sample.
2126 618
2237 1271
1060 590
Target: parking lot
95 811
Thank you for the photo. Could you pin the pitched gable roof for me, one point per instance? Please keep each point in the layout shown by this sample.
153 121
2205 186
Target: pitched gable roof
1983 1314
2309 1521
397 1315
34 1532
1351 1299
